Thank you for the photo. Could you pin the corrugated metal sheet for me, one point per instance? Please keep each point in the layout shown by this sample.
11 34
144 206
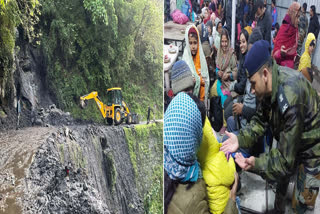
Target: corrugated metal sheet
309 3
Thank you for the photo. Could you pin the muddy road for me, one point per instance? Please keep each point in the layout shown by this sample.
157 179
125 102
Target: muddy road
17 150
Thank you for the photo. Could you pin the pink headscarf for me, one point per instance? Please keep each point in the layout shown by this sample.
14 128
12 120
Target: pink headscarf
293 11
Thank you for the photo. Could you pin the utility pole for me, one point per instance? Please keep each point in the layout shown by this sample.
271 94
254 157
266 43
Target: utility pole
233 25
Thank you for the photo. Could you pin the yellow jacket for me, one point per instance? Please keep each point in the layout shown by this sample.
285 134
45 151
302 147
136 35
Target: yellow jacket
217 172
305 60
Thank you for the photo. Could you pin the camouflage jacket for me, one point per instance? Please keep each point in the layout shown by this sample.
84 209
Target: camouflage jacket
303 27
293 114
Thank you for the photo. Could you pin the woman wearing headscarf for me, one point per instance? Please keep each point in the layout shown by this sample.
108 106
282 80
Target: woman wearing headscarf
226 71
194 56
286 41
187 131
185 190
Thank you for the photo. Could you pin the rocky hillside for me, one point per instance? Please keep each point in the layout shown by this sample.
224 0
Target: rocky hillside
53 52
82 169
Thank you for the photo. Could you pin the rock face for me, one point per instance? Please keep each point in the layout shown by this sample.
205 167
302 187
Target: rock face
27 81
82 169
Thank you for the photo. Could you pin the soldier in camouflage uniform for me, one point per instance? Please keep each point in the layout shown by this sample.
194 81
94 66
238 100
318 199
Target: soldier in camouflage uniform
290 107
303 27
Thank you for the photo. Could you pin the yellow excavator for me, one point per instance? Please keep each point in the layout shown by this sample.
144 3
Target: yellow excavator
116 109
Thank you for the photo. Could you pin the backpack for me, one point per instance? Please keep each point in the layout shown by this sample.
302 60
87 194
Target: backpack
216 113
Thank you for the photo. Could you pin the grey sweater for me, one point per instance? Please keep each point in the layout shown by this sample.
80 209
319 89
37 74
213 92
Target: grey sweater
249 105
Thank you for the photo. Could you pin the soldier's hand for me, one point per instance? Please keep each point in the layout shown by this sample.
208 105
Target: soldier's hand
237 108
240 160
244 163
230 145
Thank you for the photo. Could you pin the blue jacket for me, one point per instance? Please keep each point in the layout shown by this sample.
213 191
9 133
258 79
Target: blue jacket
274 14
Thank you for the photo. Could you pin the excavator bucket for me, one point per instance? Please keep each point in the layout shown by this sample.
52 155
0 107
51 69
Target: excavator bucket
83 103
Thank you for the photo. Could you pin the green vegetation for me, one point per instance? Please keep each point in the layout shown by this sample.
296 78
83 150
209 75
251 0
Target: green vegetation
98 44
88 46
112 168
77 155
61 146
145 144
13 14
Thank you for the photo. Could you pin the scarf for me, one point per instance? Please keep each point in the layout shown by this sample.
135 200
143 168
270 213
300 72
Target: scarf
223 62
198 65
182 137
293 11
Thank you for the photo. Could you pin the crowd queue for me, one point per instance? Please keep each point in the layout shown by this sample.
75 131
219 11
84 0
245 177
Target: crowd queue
230 104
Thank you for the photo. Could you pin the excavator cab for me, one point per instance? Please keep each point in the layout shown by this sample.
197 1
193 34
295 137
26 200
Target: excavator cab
114 96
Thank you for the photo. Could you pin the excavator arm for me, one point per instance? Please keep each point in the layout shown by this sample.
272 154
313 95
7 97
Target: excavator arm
125 107
100 104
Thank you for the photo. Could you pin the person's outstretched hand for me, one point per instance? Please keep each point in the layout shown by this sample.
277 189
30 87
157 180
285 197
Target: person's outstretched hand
230 145
283 51
244 163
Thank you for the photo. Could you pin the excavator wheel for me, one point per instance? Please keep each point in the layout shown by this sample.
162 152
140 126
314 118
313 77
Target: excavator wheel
117 117
109 121
129 119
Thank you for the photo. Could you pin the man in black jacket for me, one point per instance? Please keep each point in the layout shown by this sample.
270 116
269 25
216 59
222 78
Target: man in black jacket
264 20
314 22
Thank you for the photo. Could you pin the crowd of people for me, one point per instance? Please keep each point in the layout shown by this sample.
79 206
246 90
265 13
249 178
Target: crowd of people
229 103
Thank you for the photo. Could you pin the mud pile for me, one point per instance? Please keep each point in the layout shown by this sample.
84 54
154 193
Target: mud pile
51 116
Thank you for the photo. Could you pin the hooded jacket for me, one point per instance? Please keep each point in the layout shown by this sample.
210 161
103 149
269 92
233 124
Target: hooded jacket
305 60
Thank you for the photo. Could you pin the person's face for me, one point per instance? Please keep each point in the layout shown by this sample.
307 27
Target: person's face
259 85
213 18
209 30
193 42
219 28
272 5
258 12
311 12
311 49
206 14
224 43
243 44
